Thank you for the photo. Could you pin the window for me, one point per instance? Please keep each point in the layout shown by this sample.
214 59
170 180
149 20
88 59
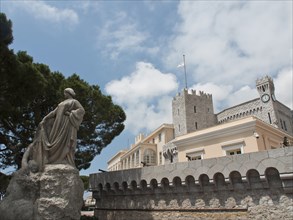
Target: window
195 125
233 152
132 161
178 111
281 124
137 158
285 127
161 159
233 149
178 127
195 154
270 120
196 158
149 157
160 137
194 109
153 140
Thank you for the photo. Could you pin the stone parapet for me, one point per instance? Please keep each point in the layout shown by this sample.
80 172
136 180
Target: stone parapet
280 159
249 186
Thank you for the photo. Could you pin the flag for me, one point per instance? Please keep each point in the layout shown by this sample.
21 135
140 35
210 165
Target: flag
180 65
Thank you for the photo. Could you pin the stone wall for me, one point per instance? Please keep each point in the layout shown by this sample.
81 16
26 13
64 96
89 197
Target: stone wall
192 111
253 107
249 186
285 115
257 108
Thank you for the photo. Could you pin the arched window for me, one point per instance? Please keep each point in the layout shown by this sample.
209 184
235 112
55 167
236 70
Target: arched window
149 157
137 158
132 161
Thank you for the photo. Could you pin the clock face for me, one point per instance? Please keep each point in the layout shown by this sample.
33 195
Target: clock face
265 98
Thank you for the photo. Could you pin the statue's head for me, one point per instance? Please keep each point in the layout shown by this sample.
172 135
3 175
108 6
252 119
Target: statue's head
69 91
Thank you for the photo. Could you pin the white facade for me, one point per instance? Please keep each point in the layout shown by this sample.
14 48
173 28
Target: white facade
147 151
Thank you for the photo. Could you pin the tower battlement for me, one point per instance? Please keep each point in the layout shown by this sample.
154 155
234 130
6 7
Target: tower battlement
192 110
263 80
265 85
194 93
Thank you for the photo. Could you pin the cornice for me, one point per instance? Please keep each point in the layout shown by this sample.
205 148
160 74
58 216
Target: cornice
208 134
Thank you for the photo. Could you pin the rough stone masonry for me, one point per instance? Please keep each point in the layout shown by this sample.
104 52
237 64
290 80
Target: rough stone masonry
56 193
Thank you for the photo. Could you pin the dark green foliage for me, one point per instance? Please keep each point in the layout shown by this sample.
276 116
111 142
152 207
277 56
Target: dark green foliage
85 180
29 91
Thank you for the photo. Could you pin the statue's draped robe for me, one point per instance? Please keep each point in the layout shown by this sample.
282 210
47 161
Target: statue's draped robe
55 140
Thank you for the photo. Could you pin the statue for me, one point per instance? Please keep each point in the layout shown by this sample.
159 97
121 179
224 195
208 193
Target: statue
44 192
55 138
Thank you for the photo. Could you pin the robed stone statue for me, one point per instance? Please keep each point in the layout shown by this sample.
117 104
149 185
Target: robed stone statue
55 139
48 185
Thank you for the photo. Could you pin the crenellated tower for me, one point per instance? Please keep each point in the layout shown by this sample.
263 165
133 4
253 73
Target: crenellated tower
273 112
192 111
266 89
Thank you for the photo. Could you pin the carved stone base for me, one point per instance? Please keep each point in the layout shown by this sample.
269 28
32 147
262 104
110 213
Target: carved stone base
56 193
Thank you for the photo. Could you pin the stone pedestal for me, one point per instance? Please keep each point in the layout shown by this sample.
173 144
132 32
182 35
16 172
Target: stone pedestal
61 193
56 193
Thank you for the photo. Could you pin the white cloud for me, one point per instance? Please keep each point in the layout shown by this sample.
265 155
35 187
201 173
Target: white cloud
232 42
284 87
228 45
42 10
122 35
146 96
219 92
244 94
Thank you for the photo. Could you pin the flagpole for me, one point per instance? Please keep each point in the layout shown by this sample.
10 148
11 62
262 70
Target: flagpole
184 71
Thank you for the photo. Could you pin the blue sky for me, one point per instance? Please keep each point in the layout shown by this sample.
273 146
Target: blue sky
131 49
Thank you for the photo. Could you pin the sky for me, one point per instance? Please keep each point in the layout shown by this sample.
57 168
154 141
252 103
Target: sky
132 50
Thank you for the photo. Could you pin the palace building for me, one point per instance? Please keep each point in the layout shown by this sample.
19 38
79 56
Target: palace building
198 133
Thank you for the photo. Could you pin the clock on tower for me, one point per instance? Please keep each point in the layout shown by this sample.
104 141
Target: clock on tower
266 89
265 98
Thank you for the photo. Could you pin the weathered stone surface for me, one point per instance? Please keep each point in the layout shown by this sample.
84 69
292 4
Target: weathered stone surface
21 195
57 194
61 193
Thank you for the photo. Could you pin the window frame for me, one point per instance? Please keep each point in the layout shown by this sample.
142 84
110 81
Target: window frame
233 147
196 153
150 158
